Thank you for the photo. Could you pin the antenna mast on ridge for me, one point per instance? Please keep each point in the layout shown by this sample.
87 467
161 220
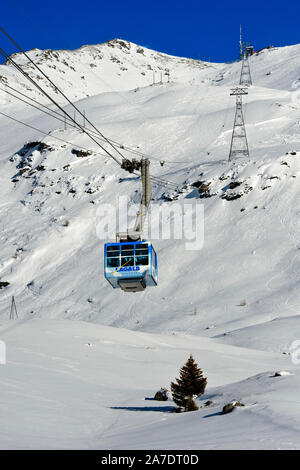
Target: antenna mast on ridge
241 43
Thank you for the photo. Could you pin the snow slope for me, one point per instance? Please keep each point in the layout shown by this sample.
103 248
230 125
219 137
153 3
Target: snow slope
76 385
116 65
234 304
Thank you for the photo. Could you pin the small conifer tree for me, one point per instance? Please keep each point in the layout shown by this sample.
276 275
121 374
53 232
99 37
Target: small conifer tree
190 385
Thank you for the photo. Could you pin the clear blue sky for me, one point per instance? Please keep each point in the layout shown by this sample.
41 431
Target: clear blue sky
190 28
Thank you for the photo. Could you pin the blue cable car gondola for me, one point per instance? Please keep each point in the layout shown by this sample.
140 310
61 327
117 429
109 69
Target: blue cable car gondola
131 262
131 266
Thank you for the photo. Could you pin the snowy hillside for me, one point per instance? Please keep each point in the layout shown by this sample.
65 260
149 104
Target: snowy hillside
80 386
116 65
234 304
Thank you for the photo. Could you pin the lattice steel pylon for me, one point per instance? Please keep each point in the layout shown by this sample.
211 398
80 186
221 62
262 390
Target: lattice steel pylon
13 309
245 78
239 143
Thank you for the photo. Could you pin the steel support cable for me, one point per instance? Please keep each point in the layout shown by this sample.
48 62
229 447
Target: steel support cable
48 134
33 106
57 89
56 104
118 144
63 117
163 181
109 141
158 180
87 131
123 147
34 101
155 179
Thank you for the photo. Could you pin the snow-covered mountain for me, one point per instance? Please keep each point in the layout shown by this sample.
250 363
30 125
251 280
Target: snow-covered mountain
116 65
234 304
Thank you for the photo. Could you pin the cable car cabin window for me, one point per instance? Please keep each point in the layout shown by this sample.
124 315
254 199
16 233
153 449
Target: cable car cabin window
141 255
126 247
113 254
127 261
112 251
127 250
127 255
113 262
112 248
141 250
141 261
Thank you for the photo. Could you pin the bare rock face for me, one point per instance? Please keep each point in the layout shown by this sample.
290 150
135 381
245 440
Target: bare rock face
81 153
3 284
161 395
208 403
230 406
281 373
